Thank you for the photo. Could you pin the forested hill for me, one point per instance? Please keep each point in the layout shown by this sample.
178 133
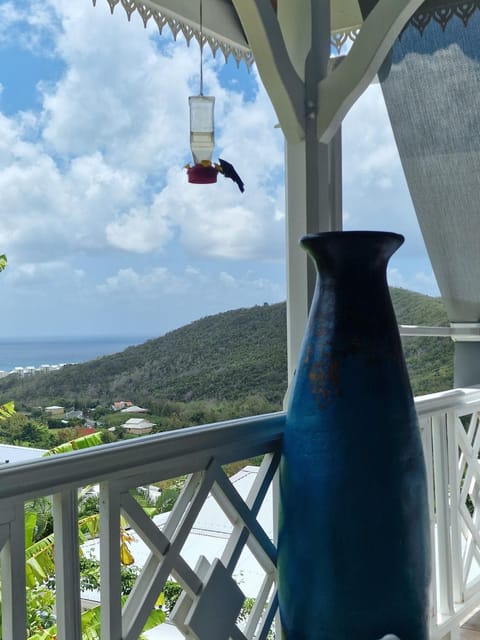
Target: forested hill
228 356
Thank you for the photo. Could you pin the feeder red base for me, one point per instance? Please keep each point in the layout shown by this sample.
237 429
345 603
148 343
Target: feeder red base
200 174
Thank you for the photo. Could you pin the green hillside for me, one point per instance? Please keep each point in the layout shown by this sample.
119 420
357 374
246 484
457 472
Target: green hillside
429 360
229 356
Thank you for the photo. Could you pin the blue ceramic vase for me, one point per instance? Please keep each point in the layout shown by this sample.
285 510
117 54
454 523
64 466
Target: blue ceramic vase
353 547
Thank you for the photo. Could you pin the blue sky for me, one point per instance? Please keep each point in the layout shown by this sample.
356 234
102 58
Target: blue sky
103 233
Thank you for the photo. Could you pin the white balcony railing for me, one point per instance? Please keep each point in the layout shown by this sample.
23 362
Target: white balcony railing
450 426
211 599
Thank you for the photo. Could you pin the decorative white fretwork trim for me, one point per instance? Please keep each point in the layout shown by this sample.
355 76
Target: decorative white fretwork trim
444 13
341 41
177 27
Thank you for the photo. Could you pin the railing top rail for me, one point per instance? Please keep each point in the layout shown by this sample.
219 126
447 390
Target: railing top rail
440 402
167 454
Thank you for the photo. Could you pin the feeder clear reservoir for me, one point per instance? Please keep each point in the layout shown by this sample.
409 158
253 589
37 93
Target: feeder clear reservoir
202 137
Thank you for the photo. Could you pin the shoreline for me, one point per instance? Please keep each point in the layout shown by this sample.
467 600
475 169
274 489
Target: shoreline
30 370
37 352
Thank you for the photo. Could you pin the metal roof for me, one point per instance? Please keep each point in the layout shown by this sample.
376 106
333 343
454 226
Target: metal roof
222 29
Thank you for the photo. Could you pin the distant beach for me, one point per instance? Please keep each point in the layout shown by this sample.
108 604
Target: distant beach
33 352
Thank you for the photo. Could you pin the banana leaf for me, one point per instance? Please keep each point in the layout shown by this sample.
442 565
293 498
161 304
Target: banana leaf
84 442
7 410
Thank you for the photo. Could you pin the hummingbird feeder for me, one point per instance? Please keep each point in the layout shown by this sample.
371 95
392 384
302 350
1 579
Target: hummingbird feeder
202 132
202 135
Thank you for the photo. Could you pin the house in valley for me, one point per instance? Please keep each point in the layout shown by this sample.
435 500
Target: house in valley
138 426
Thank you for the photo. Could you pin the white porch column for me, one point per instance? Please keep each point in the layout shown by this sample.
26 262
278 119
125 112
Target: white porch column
302 219
292 49
291 45
313 170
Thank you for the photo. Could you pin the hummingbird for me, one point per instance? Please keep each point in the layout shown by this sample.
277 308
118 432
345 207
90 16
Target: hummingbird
228 171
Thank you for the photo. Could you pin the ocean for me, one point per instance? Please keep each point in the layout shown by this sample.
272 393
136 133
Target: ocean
33 352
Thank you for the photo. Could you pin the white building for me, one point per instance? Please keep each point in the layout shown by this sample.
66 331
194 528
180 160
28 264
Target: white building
55 411
11 454
138 426
133 409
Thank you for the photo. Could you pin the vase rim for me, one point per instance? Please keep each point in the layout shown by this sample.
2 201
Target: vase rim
356 233
361 243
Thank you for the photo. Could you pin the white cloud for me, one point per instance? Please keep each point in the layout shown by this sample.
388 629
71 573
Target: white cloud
426 282
138 286
30 25
218 221
100 168
47 275
228 280
94 191
372 157
413 280
396 278
376 195
141 230
47 212
161 281
252 282
121 96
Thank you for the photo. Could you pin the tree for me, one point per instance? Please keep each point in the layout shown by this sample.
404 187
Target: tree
40 580
16 428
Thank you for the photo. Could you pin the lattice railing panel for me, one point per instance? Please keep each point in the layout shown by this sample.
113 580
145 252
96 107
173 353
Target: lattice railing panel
468 490
207 582
450 425
211 583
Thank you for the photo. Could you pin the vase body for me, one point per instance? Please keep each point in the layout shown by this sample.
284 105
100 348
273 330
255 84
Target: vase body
353 545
